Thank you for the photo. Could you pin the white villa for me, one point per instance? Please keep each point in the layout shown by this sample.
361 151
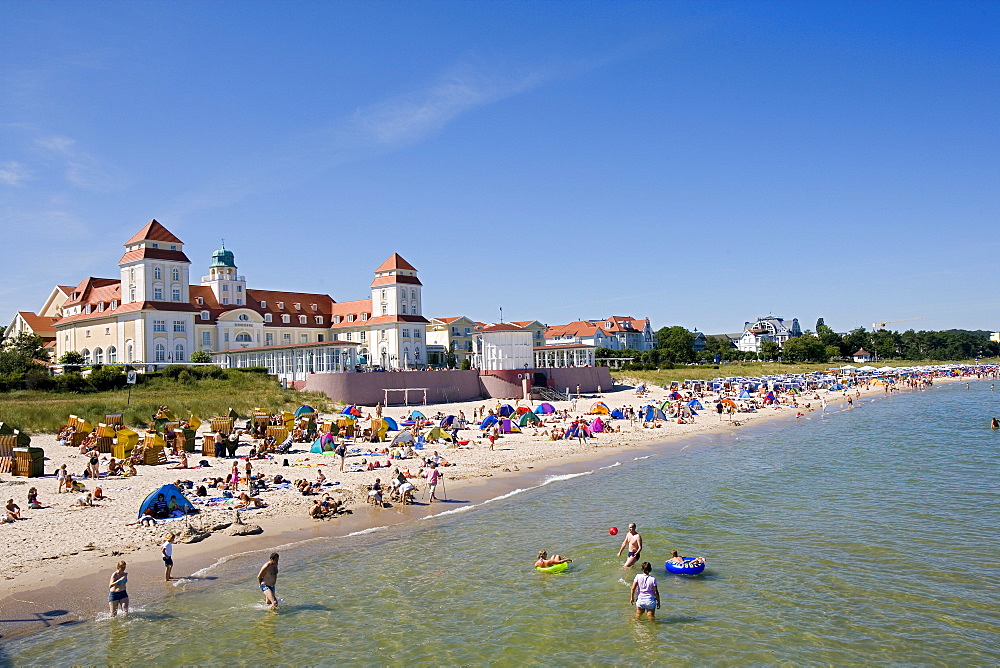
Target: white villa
770 328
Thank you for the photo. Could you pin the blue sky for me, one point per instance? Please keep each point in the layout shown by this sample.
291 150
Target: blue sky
698 163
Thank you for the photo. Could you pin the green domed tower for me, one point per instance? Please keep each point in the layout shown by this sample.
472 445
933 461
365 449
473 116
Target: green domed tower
229 287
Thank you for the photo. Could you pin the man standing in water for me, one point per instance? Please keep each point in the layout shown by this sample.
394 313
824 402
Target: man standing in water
268 579
633 541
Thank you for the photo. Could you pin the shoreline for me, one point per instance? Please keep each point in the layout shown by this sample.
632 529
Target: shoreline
69 597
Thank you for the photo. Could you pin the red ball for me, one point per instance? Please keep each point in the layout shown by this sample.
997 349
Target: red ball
613 531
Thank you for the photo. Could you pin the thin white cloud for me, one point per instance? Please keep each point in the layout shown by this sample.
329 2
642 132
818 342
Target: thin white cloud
13 173
82 169
409 118
380 128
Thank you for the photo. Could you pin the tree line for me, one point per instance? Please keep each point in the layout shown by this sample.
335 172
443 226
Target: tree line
675 345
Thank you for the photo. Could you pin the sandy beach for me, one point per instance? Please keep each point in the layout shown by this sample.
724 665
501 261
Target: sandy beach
58 557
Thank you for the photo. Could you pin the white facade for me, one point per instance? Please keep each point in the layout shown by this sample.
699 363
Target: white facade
503 347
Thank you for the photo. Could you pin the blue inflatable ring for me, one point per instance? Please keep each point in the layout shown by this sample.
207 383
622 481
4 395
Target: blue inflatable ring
685 568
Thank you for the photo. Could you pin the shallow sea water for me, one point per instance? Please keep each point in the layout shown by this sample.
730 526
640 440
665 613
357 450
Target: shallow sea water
865 536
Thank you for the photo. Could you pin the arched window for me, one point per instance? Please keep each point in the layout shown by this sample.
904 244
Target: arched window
112 355
413 293
383 295
243 317
86 355
157 274
98 356
179 352
175 274
416 353
402 307
243 337
160 352
129 352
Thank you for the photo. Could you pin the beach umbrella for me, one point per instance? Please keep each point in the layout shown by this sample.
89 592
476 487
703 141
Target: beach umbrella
301 410
391 423
599 408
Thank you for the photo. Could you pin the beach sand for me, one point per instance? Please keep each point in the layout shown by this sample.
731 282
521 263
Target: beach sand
59 558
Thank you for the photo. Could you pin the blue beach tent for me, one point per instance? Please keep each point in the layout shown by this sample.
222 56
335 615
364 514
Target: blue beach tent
488 422
171 493
506 410
391 423
617 414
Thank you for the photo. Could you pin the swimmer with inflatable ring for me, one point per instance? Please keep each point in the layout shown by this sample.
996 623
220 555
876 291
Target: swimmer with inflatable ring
545 561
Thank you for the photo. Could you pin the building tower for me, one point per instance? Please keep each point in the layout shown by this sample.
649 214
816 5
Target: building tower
154 267
229 287
397 323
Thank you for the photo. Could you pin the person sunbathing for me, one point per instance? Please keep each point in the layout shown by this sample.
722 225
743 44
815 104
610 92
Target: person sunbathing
114 468
246 500
183 464
544 560
13 510
318 511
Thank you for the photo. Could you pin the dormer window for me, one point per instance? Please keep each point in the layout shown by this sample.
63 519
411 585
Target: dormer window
114 304
303 319
609 324
298 306
319 320
350 316
200 300
204 315
267 317
315 307
285 318
100 307
86 309
263 304
336 319
364 316
281 306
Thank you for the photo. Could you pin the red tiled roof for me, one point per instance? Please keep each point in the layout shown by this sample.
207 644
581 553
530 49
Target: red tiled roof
501 327
176 307
153 254
153 231
383 319
576 328
395 261
396 278
448 321
93 290
40 325
562 346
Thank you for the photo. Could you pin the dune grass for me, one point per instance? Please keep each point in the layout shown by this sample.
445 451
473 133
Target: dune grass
710 371
45 412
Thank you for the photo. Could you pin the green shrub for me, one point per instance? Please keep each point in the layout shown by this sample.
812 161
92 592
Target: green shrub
107 378
39 379
72 382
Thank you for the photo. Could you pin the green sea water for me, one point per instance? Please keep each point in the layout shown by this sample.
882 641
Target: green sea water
859 537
